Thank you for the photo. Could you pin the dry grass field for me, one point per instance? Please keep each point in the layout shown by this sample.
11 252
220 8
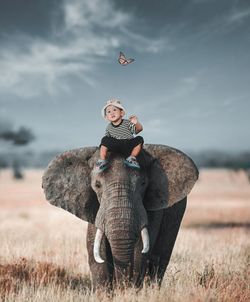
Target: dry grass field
43 255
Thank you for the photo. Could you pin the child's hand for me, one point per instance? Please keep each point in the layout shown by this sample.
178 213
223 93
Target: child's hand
133 119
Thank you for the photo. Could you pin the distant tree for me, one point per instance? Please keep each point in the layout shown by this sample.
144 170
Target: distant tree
23 136
17 173
3 163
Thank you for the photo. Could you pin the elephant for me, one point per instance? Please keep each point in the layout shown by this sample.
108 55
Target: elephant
133 215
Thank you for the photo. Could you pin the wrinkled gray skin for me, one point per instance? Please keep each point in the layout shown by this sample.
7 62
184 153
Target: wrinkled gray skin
121 202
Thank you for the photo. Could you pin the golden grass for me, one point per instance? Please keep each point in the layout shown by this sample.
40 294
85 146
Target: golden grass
43 253
20 273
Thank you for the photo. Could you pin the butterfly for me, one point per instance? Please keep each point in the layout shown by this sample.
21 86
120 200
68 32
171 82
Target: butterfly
123 61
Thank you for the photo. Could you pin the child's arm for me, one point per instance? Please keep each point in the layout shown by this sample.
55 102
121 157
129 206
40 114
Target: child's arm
138 126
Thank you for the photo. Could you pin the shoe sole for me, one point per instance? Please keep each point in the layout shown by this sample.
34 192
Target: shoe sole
131 166
101 170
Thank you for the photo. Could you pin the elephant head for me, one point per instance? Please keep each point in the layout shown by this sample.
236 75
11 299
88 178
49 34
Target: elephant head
118 199
121 215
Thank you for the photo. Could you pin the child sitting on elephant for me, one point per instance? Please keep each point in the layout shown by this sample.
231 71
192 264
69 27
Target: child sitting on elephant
119 136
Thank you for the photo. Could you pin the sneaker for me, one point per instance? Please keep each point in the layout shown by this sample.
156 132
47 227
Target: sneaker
101 165
132 162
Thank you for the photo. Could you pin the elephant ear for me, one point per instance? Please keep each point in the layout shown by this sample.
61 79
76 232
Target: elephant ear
66 183
172 175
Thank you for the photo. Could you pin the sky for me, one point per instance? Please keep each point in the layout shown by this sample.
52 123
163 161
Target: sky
189 85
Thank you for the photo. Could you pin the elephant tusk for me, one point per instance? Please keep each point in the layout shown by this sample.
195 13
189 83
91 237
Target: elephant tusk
145 240
97 244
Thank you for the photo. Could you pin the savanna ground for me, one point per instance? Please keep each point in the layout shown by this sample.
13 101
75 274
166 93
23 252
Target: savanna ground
43 254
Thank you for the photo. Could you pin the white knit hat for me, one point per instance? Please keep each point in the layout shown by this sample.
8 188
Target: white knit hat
113 102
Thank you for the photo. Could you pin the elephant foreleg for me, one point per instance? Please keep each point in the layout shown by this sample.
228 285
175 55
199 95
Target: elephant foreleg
141 260
102 273
161 252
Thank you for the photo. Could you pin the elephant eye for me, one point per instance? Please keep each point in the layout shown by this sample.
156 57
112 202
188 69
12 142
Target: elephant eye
98 184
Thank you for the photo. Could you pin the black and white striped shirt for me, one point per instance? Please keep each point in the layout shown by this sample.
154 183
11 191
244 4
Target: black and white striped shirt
125 130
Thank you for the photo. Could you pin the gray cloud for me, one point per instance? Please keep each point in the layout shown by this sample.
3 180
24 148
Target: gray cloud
89 33
189 84
238 15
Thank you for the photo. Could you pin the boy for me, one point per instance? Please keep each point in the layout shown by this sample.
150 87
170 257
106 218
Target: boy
119 136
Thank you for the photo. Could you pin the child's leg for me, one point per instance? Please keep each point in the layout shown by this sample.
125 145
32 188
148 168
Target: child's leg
132 147
103 152
136 145
107 144
136 150
102 162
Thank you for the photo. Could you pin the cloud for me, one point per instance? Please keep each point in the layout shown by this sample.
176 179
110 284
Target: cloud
157 128
145 44
233 101
200 1
188 85
238 16
173 104
90 32
79 14
219 18
183 88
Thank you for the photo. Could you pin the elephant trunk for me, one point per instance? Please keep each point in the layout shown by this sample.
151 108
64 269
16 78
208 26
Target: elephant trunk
123 254
122 243
99 236
122 217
